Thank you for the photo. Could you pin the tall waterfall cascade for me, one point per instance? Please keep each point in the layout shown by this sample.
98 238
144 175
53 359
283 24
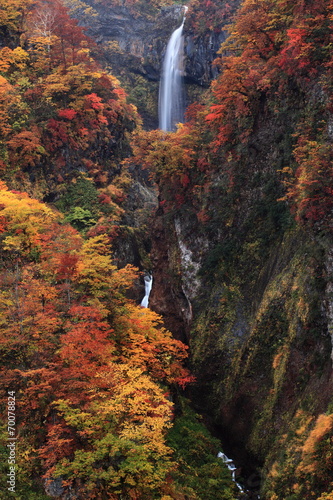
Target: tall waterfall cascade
171 94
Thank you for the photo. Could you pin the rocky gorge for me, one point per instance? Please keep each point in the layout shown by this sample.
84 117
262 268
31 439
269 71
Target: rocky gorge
247 289
166 297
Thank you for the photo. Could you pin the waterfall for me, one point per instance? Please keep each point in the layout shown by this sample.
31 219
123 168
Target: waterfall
148 279
231 466
171 98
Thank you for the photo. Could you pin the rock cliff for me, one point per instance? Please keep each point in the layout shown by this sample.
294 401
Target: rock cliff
256 313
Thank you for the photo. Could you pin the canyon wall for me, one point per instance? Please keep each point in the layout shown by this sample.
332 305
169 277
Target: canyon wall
250 291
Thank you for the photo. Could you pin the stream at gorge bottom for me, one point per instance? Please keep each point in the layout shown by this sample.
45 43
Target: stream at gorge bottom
247 473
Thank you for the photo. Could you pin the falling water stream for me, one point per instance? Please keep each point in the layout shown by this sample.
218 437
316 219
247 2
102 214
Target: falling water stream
148 279
171 94
231 466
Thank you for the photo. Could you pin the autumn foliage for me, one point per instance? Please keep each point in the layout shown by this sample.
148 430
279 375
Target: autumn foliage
57 106
88 366
94 373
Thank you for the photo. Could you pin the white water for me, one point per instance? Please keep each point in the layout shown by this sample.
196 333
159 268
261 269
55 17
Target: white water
231 466
171 98
148 284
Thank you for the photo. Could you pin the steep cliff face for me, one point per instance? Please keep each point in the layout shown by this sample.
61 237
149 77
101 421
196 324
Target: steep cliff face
136 40
253 299
177 253
200 53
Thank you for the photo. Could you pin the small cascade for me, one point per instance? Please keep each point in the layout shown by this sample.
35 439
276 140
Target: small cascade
171 94
231 466
148 279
